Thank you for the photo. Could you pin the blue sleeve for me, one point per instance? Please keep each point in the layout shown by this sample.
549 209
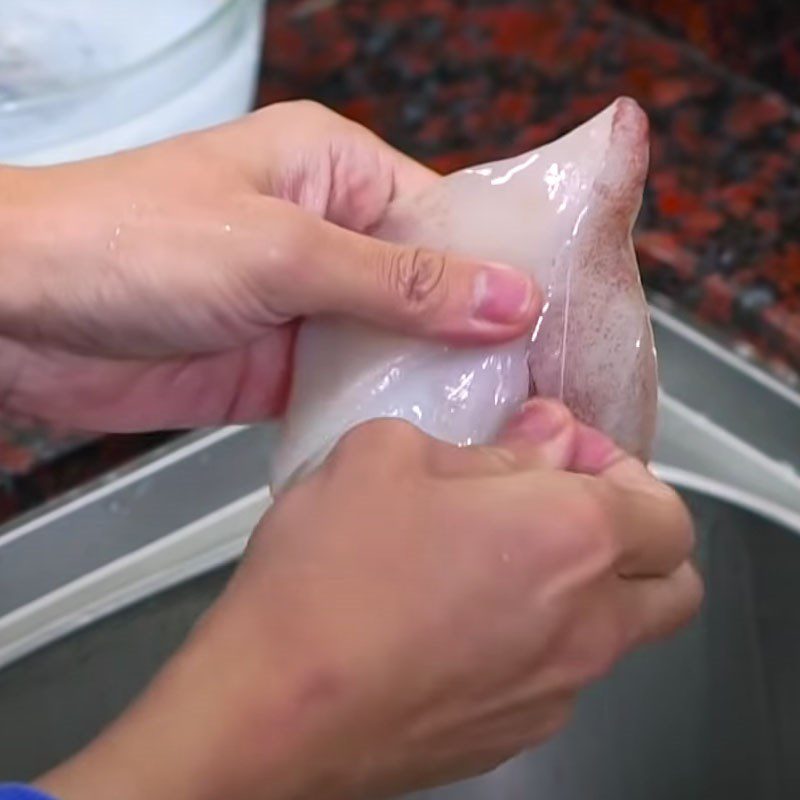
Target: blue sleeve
14 791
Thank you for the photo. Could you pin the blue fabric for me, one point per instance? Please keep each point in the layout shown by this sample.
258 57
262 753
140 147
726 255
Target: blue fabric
15 791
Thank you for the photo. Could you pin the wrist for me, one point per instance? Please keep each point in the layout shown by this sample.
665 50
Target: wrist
212 725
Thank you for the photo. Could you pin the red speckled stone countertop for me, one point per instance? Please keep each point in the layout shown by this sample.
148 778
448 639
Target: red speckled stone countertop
459 81
759 39
454 83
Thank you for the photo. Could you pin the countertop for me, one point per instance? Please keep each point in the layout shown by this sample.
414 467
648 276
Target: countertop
454 82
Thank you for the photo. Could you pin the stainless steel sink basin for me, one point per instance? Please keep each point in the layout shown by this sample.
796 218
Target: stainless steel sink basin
713 714
96 592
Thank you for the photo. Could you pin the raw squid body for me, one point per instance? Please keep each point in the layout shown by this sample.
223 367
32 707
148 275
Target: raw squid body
563 213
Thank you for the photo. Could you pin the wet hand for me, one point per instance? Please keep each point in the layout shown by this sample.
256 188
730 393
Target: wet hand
160 288
411 614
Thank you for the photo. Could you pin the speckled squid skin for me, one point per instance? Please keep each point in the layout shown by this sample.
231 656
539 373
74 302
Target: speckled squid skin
607 372
564 213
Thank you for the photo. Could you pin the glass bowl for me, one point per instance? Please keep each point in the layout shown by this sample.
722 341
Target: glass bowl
80 78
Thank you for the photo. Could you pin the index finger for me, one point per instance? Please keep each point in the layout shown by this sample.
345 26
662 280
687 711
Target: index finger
410 176
655 529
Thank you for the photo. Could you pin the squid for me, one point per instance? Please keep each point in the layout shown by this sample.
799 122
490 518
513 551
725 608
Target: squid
564 213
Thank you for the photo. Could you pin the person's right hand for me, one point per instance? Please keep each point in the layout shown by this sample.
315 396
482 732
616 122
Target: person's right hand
411 614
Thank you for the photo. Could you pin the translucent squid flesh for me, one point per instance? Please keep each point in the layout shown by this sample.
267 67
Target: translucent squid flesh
564 213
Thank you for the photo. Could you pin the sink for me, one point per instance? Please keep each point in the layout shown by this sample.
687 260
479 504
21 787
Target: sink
97 590
715 713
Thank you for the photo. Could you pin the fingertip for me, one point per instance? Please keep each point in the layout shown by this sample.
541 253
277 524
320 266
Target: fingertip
539 420
505 296
662 607
594 451
541 434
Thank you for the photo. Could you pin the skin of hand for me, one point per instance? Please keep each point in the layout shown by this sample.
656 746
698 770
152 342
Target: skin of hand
408 620
157 288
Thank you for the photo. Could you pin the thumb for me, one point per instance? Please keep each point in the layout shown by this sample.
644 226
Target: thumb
542 435
413 290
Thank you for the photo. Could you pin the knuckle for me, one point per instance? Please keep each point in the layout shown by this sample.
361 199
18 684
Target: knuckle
378 440
355 441
416 276
288 243
292 234
303 107
288 507
311 106
682 523
590 530
285 269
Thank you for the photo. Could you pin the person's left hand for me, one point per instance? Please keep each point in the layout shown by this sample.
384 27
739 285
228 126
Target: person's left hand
159 288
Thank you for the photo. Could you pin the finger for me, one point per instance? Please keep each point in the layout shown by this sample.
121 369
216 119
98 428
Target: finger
652 528
81 392
410 177
540 436
597 454
315 267
657 608
653 524
594 451
399 443
348 172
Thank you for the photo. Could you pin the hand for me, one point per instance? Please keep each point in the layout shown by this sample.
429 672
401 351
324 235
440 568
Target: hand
409 620
156 288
